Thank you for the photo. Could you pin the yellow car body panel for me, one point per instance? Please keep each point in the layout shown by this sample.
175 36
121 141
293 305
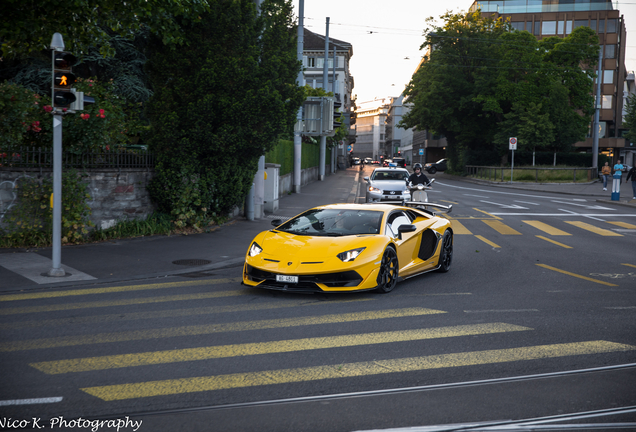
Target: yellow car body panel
314 259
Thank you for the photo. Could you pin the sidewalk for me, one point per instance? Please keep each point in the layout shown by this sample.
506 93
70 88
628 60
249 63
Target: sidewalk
199 255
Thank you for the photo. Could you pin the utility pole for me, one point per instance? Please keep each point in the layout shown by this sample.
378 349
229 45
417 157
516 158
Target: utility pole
298 144
595 126
325 86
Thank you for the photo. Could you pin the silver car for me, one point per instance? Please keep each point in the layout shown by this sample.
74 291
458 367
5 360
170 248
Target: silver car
387 184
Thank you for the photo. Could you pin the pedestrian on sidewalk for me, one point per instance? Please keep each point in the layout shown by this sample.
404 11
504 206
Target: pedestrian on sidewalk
616 179
606 172
632 174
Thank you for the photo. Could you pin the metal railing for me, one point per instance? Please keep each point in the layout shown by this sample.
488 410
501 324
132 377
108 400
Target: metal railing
548 174
36 157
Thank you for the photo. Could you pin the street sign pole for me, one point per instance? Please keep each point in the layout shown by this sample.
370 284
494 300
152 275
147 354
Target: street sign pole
512 143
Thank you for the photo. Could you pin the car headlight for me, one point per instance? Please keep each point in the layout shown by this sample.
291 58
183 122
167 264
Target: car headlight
255 249
406 192
374 189
350 255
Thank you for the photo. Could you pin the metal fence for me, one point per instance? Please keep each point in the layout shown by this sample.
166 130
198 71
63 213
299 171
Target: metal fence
35 157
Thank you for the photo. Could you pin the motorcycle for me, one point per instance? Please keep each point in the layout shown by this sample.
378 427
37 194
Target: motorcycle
418 192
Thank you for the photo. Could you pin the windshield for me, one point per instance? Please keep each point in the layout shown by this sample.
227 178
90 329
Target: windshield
390 175
334 222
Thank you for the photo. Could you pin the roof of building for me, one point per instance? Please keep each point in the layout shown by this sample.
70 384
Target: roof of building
315 42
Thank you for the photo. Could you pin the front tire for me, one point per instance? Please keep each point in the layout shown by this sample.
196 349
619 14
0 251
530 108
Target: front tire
433 170
446 254
388 275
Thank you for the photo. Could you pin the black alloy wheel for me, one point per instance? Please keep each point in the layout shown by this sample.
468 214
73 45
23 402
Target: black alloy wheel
446 254
388 276
432 170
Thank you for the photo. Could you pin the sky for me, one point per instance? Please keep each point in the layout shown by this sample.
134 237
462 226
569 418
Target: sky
387 34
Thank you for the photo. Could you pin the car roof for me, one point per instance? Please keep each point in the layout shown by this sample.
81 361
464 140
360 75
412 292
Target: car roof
390 169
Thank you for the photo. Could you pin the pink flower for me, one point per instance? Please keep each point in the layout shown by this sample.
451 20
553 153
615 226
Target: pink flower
101 111
102 116
48 108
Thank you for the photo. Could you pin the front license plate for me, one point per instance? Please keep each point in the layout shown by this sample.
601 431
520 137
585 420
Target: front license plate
283 278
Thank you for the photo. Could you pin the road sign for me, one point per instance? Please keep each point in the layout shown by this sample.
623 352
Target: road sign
421 151
513 143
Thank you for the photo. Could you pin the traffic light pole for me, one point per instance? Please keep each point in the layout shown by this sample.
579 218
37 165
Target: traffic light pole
57 269
57 44
298 144
325 86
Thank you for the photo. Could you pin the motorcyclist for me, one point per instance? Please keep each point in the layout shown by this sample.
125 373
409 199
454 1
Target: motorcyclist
418 177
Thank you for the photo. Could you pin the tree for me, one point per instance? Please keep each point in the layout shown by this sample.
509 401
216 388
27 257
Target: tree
219 103
444 90
629 122
483 82
28 25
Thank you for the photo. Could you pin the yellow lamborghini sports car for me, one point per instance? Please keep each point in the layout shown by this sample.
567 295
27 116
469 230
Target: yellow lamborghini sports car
349 247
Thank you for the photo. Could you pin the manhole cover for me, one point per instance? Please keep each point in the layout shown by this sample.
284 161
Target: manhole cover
191 262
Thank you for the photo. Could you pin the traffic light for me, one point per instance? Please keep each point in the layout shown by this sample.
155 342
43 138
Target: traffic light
336 114
63 79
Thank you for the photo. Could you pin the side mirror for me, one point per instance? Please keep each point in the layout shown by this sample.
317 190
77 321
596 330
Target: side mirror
405 229
366 179
276 222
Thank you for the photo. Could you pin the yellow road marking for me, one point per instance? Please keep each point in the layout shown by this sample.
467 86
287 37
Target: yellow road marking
501 227
546 228
491 215
107 290
592 228
348 370
629 265
623 224
555 242
249 349
487 241
126 302
450 202
187 312
575 275
459 228
211 328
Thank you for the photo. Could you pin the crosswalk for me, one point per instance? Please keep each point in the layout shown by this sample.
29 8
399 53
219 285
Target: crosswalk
183 329
471 225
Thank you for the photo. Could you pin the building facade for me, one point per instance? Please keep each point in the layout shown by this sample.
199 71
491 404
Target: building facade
544 18
370 129
339 81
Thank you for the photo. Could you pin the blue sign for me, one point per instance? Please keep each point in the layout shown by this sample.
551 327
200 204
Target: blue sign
421 152
349 149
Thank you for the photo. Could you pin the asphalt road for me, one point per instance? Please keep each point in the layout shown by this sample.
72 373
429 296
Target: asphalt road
535 321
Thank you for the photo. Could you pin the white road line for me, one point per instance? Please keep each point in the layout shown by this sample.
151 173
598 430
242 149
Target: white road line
31 401
591 207
501 310
526 202
33 266
512 206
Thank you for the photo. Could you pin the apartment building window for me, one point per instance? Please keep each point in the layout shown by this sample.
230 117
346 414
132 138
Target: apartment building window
518 25
580 23
611 25
608 77
606 102
601 26
568 27
548 27
537 28
529 26
309 62
610 51
593 24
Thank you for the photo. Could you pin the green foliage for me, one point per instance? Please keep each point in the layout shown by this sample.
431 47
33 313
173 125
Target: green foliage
283 154
25 119
29 221
484 82
156 223
28 26
219 104
629 121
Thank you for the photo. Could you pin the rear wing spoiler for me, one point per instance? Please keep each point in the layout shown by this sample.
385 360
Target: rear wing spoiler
416 204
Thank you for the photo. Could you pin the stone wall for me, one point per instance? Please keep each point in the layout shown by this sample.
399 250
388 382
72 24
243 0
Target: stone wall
115 194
